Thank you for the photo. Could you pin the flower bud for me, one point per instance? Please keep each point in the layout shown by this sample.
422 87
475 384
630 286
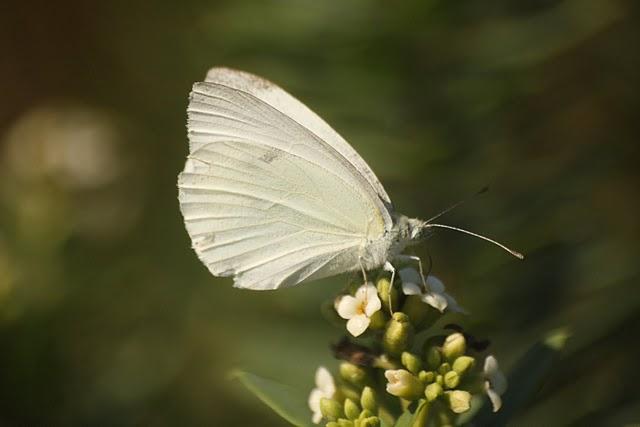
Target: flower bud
330 409
398 335
346 391
411 362
416 309
451 379
368 400
459 400
403 384
353 374
345 423
370 422
440 379
444 368
351 409
454 346
387 293
426 376
433 391
463 364
433 357
365 414
378 320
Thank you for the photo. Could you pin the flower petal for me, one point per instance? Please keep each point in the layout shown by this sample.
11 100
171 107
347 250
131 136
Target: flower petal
373 304
410 288
348 307
314 400
391 375
435 300
324 382
496 400
490 366
435 284
358 324
499 382
317 417
452 305
363 292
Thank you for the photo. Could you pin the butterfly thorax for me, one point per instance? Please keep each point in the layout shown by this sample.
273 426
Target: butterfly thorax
404 232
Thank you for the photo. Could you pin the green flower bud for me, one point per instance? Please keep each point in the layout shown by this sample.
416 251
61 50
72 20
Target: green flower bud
378 320
426 376
463 364
353 374
440 379
398 335
451 379
370 422
345 423
433 357
330 409
454 346
444 368
365 414
368 400
346 391
459 400
351 409
433 391
403 384
416 309
387 293
411 362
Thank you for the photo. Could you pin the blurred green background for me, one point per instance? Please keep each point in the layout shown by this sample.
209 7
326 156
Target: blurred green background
108 318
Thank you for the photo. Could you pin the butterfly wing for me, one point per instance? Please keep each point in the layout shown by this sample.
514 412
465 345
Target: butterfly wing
296 110
264 198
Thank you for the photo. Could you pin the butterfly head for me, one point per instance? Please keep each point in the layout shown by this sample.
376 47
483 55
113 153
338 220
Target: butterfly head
416 230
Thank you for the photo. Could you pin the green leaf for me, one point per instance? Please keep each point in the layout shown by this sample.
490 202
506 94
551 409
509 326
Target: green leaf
289 403
416 418
524 380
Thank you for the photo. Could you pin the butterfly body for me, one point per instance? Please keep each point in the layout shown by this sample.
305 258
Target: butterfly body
273 196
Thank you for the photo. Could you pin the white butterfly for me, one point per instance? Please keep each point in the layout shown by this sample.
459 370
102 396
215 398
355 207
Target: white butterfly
273 196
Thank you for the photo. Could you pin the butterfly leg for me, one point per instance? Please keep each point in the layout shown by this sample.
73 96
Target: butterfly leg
364 273
390 268
409 258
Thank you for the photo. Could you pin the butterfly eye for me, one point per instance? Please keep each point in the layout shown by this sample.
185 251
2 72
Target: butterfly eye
415 232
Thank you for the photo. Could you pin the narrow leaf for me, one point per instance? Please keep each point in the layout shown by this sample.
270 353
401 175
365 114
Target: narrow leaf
286 401
524 380
416 418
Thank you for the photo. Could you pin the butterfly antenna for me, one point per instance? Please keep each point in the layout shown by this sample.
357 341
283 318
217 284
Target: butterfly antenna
455 205
471 233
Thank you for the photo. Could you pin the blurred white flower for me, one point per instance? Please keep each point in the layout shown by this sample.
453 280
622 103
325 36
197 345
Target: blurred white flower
64 170
75 146
434 295
495 382
325 388
358 309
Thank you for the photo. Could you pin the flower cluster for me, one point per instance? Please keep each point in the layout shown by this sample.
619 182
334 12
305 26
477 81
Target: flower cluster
399 360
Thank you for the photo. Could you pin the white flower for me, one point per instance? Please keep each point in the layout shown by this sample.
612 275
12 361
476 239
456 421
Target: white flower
358 309
402 383
325 388
495 383
434 295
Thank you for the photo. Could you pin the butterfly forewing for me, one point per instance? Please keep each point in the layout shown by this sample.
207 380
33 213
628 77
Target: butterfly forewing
265 199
